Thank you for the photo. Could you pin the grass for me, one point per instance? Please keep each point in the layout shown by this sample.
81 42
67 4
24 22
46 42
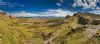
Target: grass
35 31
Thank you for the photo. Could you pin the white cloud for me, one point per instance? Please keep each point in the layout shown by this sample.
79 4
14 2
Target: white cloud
59 3
95 11
57 13
86 3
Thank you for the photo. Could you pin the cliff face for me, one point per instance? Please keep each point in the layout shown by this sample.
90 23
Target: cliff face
77 29
88 18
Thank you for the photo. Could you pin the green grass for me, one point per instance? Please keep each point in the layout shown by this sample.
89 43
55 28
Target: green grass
35 31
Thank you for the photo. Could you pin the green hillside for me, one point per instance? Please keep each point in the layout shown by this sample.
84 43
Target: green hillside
72 30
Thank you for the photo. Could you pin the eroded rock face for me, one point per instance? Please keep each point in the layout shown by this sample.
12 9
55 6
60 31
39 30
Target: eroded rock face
87 18
96 22
67 16
83 21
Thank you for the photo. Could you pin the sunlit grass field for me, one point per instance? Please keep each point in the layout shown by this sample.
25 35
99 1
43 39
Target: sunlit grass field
44 31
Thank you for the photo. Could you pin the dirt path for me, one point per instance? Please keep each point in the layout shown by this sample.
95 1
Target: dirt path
91 30
52 38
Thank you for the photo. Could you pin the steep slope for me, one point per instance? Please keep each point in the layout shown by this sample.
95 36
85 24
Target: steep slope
13 32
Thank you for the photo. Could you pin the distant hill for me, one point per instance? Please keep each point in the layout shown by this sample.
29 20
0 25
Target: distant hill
95 16
81 28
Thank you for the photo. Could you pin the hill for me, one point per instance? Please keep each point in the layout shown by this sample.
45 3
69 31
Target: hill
77 29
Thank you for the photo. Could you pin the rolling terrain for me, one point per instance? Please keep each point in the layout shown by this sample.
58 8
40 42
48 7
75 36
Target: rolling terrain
81 28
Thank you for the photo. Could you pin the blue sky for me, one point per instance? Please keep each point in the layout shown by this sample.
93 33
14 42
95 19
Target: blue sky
48 7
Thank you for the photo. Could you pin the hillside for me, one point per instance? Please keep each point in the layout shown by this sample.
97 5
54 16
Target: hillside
77 29
95 16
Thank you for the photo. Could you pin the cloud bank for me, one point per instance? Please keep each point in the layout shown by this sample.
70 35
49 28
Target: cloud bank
56 13
95 11
86 4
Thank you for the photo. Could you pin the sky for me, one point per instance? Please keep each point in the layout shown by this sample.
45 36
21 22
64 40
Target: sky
59 8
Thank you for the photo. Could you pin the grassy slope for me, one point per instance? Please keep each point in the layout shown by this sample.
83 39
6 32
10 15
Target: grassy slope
13 33
36 31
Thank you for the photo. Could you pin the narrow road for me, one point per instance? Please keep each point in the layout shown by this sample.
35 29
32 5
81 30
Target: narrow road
91 30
